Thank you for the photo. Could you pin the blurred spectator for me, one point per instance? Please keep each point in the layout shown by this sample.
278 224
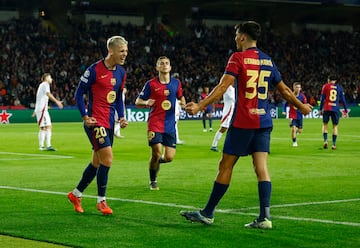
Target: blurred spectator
28 50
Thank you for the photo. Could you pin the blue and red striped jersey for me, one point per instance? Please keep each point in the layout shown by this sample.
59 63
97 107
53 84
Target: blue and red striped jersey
255 72
104 90
162 113
294 112
331 96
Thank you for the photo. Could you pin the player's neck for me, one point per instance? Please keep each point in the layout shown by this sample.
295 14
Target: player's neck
108 64
164 78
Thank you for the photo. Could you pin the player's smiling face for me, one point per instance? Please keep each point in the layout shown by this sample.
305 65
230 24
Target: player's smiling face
119 54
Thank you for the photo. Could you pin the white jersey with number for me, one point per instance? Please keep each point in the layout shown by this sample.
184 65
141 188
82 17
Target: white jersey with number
228 109
41 105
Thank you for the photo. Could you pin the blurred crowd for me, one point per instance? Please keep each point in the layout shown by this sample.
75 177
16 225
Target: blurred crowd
198 58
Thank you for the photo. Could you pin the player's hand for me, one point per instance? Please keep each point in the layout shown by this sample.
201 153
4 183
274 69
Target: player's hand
192 108
60 104
150 102
123 122
90 121
344 113
306 109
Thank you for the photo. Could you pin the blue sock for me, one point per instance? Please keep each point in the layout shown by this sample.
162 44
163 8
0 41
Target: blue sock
217 193
102 179
264 189
87 177
294 139
210 123
334 140
325 136
153 174
204 123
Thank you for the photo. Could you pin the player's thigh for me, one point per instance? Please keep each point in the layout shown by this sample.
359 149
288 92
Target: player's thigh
261 141
326 116
335 117
238 141
99 137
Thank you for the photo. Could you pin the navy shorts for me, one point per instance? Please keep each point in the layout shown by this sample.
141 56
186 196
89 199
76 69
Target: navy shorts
297 123
99 137
243 142
167 139
331 114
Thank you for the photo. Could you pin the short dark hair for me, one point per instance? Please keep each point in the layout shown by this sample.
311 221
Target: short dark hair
251 28
332 77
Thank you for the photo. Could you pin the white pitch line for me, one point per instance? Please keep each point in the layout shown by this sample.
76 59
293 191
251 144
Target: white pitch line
226 211
36 156
297 204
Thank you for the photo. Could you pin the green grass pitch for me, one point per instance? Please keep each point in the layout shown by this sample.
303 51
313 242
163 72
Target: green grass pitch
315 200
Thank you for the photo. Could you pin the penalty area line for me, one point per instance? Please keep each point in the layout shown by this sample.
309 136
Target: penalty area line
31 156
225 211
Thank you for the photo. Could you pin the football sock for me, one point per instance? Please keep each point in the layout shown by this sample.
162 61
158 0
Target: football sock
77 193
217 137
294 140
42 134
102 179
153 174
325 136
87 177
204 123
101 198
210 123
217 193
48 137
334 139
264 190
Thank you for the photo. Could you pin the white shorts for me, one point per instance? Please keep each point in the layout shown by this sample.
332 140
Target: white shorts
43 118
227 115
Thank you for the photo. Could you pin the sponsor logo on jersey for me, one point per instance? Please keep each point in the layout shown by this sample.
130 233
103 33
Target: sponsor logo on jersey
111 97
166 105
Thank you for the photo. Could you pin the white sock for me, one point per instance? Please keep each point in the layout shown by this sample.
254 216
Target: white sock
42 134
77 193
117 129
100 199
177 132
217 137
48 137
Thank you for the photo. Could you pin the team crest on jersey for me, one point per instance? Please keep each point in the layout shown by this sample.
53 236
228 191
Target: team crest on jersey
151 135
166 105
111 97
166 92
113 81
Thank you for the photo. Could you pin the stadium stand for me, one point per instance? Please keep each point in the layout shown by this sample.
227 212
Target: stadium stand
28 49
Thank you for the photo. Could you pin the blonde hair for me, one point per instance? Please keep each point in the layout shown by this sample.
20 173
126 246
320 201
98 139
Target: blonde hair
43 77
161 58
116 40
